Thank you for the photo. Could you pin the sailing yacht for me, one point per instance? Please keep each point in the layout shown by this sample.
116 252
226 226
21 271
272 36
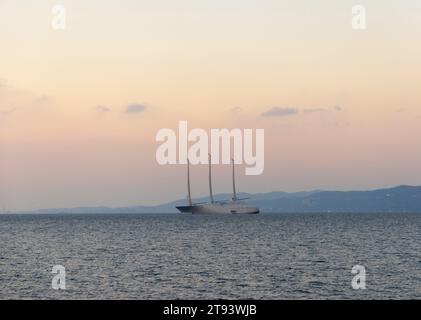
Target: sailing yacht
233 206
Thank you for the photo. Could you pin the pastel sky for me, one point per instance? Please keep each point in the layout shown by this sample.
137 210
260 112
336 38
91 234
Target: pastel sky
80 107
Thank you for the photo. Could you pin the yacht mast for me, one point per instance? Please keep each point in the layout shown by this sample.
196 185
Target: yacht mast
234 192
210 179
188 182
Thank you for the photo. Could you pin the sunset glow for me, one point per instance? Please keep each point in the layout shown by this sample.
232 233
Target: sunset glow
80 107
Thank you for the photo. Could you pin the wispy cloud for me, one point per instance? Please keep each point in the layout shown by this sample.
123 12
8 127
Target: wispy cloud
102 109
25 101
315 110
280 112
7 112
290 111
135 108
42 100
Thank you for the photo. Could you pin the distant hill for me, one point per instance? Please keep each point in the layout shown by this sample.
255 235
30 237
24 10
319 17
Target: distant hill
398 199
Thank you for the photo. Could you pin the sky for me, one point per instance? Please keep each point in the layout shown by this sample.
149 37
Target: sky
80 107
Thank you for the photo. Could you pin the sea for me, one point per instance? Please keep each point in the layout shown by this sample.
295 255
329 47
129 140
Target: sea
176 256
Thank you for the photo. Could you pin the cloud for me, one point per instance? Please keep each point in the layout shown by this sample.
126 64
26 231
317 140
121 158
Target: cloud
315 110
135 108
42 100
7 111
102 109
280 112
290 111
25 101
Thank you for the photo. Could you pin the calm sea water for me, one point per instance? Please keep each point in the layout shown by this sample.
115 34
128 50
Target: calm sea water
296 256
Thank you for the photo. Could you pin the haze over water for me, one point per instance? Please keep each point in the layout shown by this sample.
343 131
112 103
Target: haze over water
292 256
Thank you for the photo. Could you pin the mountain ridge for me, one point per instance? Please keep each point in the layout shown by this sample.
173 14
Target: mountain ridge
399 199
